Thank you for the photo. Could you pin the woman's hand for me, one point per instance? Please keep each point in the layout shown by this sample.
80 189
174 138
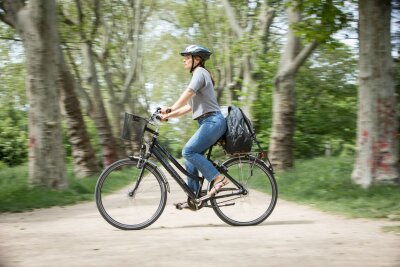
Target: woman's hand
163 117
165 110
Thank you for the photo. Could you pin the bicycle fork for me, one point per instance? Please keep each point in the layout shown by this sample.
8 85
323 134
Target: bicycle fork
140 165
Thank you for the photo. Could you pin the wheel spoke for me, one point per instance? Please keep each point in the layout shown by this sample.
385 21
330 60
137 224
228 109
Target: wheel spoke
260 200
127 205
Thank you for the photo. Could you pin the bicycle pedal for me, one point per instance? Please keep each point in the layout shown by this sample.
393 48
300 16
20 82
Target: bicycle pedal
178 206
184 205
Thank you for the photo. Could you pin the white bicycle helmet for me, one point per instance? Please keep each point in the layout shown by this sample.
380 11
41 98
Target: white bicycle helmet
197 50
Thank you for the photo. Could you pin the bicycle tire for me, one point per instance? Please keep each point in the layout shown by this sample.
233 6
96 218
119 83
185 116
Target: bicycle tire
120 209
262 192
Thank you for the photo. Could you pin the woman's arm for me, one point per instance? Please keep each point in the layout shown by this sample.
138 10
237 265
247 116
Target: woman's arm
180 107
178 112
183 99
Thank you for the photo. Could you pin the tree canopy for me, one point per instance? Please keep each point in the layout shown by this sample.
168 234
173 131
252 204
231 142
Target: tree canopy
123 56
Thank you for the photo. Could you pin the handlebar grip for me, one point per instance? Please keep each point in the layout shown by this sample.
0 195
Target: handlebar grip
158 117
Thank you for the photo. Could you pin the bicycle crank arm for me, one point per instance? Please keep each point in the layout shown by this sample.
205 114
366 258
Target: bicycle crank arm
202 199
225 205
207 197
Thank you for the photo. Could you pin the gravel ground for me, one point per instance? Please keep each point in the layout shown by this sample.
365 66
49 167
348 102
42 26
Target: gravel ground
294 235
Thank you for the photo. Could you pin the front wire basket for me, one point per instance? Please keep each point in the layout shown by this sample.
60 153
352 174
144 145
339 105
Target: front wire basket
133 128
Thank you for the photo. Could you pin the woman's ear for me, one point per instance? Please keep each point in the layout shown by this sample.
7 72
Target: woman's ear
197 60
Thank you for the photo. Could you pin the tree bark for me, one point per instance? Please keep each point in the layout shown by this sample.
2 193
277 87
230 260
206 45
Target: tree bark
98 112
377 125
85 163
97 109
36 23
284 102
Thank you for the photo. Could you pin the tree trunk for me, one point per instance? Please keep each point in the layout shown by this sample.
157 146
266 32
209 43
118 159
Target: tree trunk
284 103
85 163
98 112
37 25
377 126
283 123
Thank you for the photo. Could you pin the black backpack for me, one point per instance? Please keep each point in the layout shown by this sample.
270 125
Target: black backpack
240 134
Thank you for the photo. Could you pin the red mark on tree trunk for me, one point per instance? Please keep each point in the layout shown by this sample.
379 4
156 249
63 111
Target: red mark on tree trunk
32 142
384 146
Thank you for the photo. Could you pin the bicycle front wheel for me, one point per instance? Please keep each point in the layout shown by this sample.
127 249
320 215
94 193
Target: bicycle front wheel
127 202
257 203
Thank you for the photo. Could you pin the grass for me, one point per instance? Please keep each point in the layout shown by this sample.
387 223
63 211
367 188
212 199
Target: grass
16 195
323 183
326 184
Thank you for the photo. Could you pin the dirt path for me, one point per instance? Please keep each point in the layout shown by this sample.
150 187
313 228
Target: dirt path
294 235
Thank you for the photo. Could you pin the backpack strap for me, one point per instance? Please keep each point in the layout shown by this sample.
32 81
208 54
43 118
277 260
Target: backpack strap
248 123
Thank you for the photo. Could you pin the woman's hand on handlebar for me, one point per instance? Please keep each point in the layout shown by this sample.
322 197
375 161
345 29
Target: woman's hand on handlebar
163 113
163 117
165 110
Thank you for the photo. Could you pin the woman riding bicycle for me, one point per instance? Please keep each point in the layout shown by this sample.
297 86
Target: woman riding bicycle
199 97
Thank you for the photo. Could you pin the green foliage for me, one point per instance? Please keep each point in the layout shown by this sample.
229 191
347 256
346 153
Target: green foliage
262 108
13 143
326 184
13 108
325 107
326 113
321 19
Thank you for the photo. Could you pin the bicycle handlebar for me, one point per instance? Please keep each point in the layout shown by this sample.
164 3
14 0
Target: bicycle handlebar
157 116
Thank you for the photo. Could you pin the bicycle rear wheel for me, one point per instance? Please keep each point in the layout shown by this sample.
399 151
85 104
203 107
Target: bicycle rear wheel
262 192
126 203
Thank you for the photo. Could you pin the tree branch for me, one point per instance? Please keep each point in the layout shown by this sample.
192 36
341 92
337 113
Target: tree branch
9 10
80 19
10 39
65 19
146 14
266 18
303 55
168 19
96 19
230 12
133 49
78 80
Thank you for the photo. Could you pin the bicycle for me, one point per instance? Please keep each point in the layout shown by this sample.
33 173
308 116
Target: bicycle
139 188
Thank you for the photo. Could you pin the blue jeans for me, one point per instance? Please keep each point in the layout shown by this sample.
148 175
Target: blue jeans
210 130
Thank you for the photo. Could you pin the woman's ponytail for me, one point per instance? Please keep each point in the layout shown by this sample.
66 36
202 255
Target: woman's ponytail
202 64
